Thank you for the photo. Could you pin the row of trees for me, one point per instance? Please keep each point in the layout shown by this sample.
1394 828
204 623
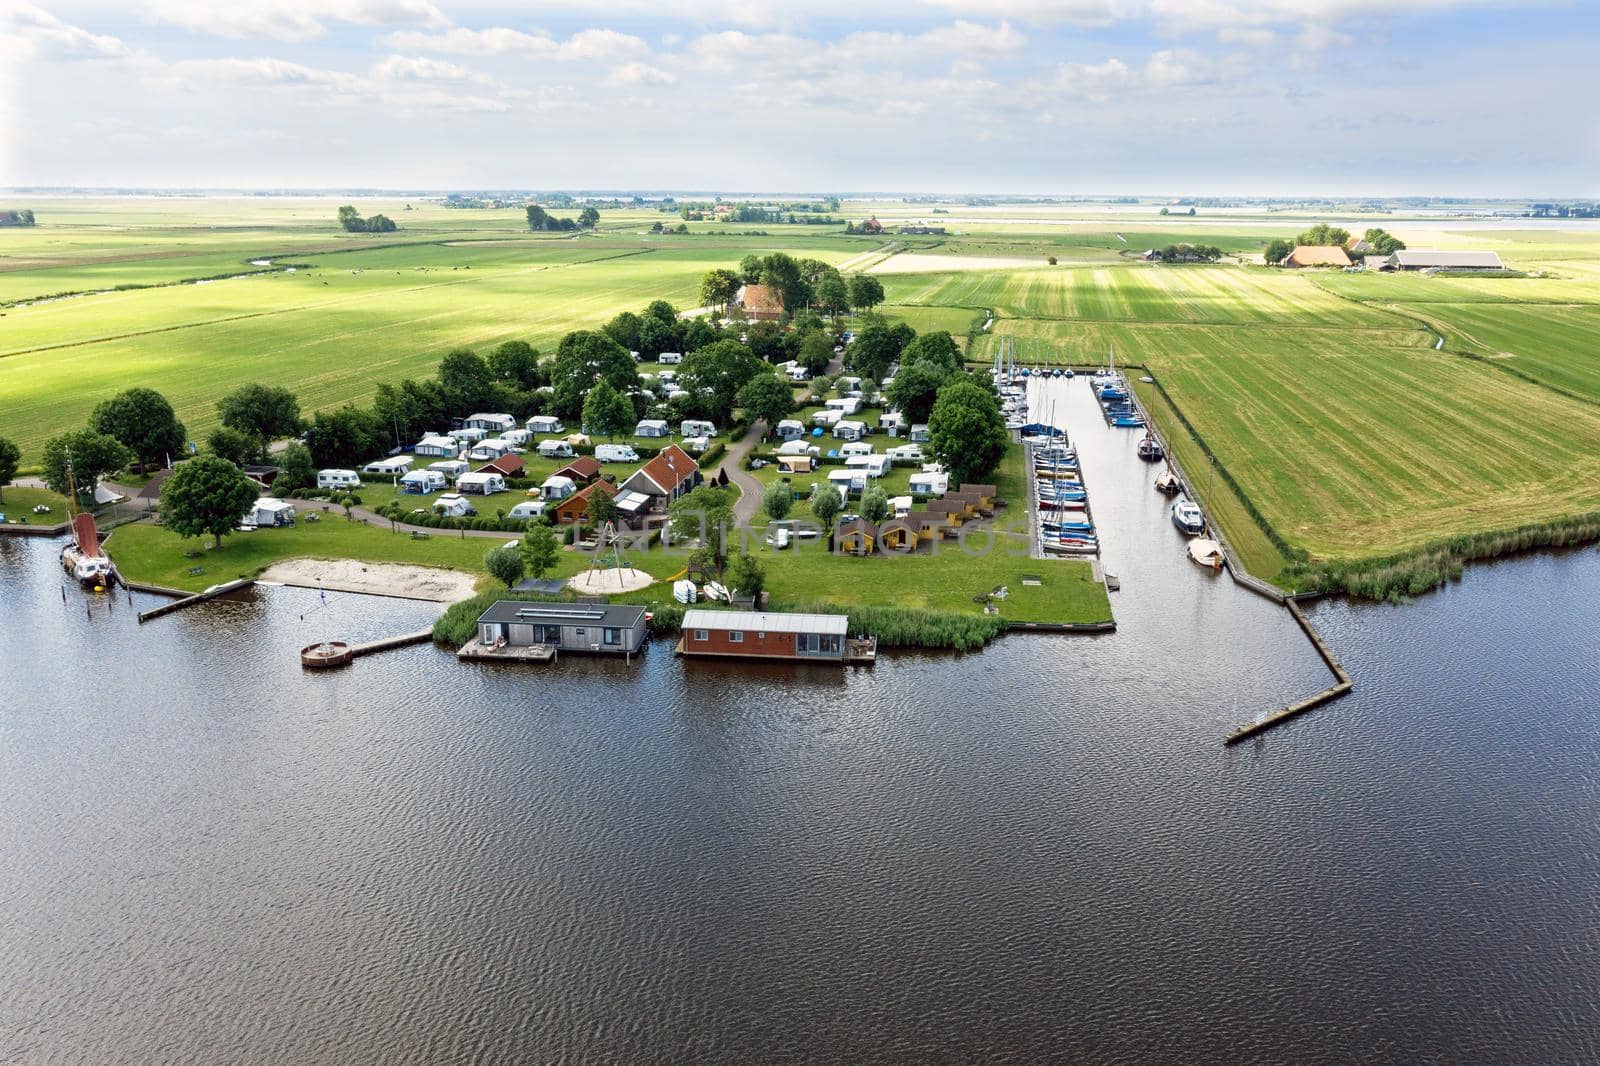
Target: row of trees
352 222
19 217
1189 253
542 221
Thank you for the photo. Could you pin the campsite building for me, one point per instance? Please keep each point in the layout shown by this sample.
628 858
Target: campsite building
666 477
760 303
572 509
1317 255
600 628
765 635
856 536
507 466
583 469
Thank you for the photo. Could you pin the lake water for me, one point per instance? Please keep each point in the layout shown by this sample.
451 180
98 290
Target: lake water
1042 851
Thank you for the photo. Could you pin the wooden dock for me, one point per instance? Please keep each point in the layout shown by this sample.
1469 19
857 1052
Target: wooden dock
200 597
476 651
421 636
1343 683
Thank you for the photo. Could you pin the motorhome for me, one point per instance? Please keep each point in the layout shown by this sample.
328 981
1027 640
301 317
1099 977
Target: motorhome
615 453
694 427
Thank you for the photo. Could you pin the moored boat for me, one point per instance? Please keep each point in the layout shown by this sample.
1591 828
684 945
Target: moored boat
1167 483
1206 552
1189 519
1150 448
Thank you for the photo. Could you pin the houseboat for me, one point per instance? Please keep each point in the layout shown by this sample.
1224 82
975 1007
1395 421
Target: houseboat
767 635
599 628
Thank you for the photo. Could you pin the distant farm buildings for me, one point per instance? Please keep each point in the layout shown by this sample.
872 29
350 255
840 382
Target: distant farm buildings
1317 255
919 230
1429 260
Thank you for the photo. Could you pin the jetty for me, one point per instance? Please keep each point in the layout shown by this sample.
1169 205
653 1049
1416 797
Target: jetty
475 650
189 601
330 654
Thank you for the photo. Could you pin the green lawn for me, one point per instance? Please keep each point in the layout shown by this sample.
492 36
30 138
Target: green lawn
17 504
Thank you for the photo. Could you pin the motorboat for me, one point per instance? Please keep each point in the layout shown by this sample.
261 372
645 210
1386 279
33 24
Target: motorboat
1188 517
1204 551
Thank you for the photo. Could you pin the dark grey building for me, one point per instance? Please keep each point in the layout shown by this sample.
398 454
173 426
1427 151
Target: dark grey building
603 628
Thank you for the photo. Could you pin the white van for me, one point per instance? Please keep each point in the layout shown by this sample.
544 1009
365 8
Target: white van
615 453
454 506
337 479
694 427
527 509
670 358
555 449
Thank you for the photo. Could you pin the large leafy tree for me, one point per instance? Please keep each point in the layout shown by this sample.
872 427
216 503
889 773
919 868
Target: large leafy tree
815 352
238 448
206 495
144 422
826 503
1277 250
914 390
295 469
721 369
624 329
588 218
10 456
873 350
866 292
966 430
833 296
782 271
746 575
1323 234
92 456
767 396
1383 242
706 514
606 411
516 363
505 564
583 358
409 409
937 350
874 503
344 437
600 509
656 336
778 500
467 382
540 550
718 287
266 412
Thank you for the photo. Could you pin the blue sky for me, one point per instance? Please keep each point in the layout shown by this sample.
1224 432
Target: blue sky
1343 97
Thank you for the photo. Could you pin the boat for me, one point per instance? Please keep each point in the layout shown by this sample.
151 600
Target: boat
684 591
1127 421
82 557
1167 483
1067 373
1206 552
1150 448
1189 519
713 590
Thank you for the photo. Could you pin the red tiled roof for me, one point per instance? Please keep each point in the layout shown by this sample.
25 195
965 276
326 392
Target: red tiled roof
1318 255
579 501
583 468
509 465
668 475
763 299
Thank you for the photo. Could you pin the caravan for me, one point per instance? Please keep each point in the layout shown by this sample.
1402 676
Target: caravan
555 449
871 465
545 424
270 512
790 428
422 482
338 479
849 430
652 427
434 445
450 469
490 450
393 466
482 483
453 505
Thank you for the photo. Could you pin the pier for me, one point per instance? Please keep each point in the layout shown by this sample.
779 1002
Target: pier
189 601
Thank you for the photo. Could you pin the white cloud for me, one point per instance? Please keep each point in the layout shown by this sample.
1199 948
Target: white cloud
417 68
631 74
291 20
596 44
37 34
1317 38
1174 68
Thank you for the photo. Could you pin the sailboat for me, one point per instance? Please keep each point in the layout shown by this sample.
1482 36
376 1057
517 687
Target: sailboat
82 557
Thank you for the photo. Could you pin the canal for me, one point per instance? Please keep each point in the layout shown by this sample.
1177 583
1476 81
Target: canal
1039 851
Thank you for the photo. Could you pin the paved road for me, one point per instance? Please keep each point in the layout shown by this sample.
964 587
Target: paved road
744 511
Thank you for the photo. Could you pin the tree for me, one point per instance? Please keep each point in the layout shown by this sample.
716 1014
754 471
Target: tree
583 358
624 329
600 510
504 564
1323 234
381 224
351 220
517 364
914 390
718 288
92 455
662 312
265 412
833 296
466 381
782 272
238 448
588 218
721 369
1277 251
10 456
540 549
966 430
606 411
872 351
1165 211
705 514
826 503
144 422
745 575
938 350
815 353
768 397
656 336
1383 242
875 503
750 269
345 437
866 292
777 501
207 494
295 469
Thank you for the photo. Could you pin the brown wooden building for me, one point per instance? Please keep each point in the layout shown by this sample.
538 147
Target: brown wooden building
765 635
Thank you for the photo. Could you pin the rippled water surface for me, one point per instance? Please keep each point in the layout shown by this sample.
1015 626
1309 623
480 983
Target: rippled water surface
1042 851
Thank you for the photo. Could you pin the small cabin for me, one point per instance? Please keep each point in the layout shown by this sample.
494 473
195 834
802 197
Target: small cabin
984 494
575 508
481 483
583 469
597 628
902 533
507 466
765 635
856 537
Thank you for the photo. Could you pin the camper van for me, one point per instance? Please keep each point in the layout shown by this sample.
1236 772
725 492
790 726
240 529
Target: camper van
454 506
694 427
670 358
482 483
337 479
615 453
422 482
555 449
545 424
527 509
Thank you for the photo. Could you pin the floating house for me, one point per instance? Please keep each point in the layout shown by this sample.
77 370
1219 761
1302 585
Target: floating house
599 628
766 635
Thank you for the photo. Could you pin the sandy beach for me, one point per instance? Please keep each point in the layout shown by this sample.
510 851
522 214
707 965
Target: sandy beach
377 579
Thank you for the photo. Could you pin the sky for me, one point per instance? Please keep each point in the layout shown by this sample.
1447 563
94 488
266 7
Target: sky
1484 98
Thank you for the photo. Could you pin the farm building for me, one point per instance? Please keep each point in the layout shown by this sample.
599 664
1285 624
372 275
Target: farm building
666 477
506 466
583 469
923 231
1358 246
765 635
1428 260
856 536
574 507
904 533
443 447
1376 263
602 628
1316 255
761 303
